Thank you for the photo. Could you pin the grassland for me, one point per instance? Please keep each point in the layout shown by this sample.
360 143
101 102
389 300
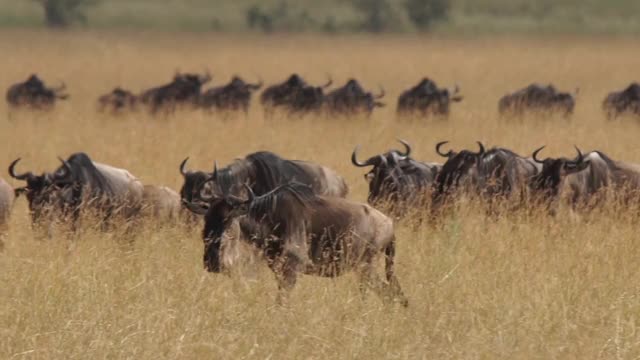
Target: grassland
514 287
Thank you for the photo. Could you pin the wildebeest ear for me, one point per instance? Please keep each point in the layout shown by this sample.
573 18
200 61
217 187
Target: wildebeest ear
19 191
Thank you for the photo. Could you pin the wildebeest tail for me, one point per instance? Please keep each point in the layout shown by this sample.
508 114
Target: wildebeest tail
389 256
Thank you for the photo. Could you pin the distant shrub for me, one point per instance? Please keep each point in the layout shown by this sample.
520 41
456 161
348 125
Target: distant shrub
423 13
378 14
278 18
62 13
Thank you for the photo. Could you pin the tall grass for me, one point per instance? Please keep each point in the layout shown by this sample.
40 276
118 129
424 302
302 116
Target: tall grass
516 286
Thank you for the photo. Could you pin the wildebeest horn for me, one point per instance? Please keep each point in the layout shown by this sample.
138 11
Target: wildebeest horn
382 93
580 158
354 159
439 145
215 169
329 82
456 89
250 194
258 85
182 165
407 148
535 155
13 174
66 166
481 148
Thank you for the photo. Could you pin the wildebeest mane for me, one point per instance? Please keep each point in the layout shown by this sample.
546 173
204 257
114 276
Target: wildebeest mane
286 202
264 171
84 172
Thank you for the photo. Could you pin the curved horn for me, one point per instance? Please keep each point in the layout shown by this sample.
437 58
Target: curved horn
580 156
382 93
329 82
250 194
534 156
66 166
355 161
439 145
481 148
215 169
182 165
407 148
12 171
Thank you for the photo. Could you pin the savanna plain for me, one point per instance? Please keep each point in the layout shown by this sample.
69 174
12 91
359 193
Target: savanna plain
519 285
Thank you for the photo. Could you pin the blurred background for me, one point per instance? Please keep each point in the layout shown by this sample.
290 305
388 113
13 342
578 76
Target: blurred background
332 16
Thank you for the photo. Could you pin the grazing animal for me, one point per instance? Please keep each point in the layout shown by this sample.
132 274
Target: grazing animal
33 94
586 180
299 232
494 174
81 184
623 102
397 179
161 203
183 90
426 99
293 95
537 98
234 96
6 203
263 171
117 101
352 99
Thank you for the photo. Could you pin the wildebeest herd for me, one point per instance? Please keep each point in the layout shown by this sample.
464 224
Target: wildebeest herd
295 213
295 96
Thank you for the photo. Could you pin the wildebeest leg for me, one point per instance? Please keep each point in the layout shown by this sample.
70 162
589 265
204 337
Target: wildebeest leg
287 276
394 283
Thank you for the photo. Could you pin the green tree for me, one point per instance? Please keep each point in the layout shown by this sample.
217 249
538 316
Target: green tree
423 13
378 14
62 13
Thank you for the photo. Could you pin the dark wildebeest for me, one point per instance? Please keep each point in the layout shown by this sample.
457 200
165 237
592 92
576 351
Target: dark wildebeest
234 96
537 98
34 94
6 203
397 179
161 203
586 180
300 232
494 174
293 95
263 171
184 89
352 99
623 102
79 185
118 100
427 99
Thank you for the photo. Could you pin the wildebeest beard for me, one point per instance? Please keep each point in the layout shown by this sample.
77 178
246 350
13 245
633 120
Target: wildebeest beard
263 171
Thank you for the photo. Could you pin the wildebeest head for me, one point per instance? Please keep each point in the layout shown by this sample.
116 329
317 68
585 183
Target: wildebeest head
547 182
221 212
118 99
194 181
458 167
385 175
42 191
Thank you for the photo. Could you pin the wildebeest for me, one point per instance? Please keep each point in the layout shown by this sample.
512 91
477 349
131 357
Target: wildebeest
6 203
300 232
352 99
234 96
537 98
81 184
263 171
184 89
586 180
161 203
117 100
427 99
494 174
293 95
396 179
623 102
34 94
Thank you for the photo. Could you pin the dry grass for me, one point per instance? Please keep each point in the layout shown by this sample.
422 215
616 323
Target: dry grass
514 287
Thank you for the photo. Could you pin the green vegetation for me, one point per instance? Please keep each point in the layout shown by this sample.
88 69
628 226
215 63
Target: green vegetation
444 16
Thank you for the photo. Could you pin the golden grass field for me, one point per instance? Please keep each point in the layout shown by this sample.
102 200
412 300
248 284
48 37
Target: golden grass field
515 287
